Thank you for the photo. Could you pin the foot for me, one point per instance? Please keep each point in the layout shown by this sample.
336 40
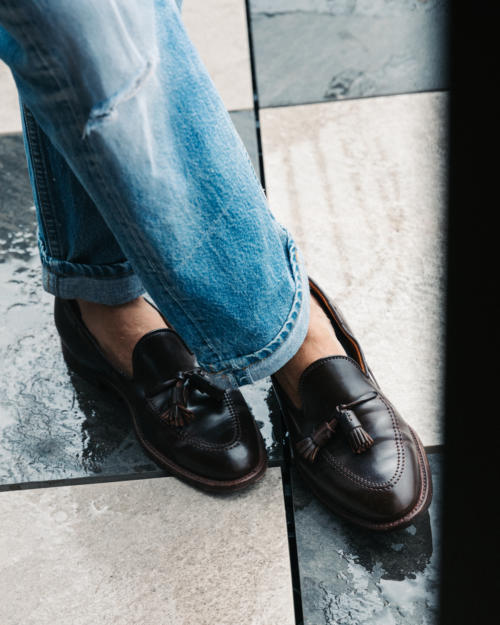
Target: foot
350 445
193 428
118 328
320 341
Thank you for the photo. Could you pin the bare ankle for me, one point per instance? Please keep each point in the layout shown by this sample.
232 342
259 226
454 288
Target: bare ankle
118 328
320 342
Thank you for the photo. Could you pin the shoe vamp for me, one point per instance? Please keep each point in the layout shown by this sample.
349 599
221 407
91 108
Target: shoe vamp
382 463
214 421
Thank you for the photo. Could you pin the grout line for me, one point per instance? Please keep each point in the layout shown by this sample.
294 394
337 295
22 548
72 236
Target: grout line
245 110
91 479
97 479
363 97
292 537
256 107
152 474
285 465
434 449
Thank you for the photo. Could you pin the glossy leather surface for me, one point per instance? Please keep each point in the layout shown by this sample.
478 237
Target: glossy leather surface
220 448
383 487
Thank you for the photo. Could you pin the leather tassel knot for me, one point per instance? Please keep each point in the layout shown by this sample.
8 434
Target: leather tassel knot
308 447
346 419
177 413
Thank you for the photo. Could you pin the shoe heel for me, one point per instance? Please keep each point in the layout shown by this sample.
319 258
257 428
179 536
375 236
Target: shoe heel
83 372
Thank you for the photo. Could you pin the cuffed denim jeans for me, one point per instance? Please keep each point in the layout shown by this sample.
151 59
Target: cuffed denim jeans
142 184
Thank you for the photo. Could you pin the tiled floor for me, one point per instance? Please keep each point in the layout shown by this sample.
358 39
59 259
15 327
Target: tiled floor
350 577
145 552
367 211
315 50
361 185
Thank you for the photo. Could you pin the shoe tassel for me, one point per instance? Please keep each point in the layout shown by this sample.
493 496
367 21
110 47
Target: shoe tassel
177 413
358 438
309 447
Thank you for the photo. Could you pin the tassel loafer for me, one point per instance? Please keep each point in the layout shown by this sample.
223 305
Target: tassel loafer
190 426
350 445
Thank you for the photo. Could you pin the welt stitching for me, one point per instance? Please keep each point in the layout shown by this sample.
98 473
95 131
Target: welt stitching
423 492
200 444
370 484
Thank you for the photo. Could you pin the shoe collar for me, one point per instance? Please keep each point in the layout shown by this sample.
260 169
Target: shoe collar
158 356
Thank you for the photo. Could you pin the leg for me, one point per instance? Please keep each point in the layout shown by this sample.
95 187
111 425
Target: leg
80 257
190 216
184 205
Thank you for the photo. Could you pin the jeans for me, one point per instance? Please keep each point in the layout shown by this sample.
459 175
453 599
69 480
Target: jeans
142 184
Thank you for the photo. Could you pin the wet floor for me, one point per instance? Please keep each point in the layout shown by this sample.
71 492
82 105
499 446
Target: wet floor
319 156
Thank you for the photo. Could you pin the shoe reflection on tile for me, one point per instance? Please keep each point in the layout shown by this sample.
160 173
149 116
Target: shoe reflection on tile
264 406
349 575
108 441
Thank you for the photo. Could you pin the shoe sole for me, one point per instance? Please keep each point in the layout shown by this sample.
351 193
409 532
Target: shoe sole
207 484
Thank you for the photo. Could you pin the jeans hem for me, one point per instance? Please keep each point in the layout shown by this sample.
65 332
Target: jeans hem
266 361
110 290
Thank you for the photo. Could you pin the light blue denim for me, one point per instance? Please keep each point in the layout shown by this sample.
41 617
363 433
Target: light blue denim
142 183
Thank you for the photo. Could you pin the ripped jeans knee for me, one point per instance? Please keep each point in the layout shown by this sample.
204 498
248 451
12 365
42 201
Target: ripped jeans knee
106 110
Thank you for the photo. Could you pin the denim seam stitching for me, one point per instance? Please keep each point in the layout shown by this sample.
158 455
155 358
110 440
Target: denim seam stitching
55 78
92 152
143 248
42 188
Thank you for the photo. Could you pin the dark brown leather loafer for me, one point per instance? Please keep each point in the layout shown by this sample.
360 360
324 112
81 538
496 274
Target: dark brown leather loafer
353 449
194 429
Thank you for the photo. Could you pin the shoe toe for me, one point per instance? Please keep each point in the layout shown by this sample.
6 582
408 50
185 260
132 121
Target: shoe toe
383 488
227 448
222 445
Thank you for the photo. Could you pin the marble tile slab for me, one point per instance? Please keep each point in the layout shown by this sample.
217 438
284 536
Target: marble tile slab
351 576
361 184
315 50
244 122
10 118
53 425
145 551
218 29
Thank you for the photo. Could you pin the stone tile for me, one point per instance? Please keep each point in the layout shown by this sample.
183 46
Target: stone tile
244 122
218 29
355 577
53 425
315 50
145 551
262 400
10 118
361 185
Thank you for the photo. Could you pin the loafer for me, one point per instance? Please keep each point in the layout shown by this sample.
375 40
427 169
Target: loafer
350 445
190 426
